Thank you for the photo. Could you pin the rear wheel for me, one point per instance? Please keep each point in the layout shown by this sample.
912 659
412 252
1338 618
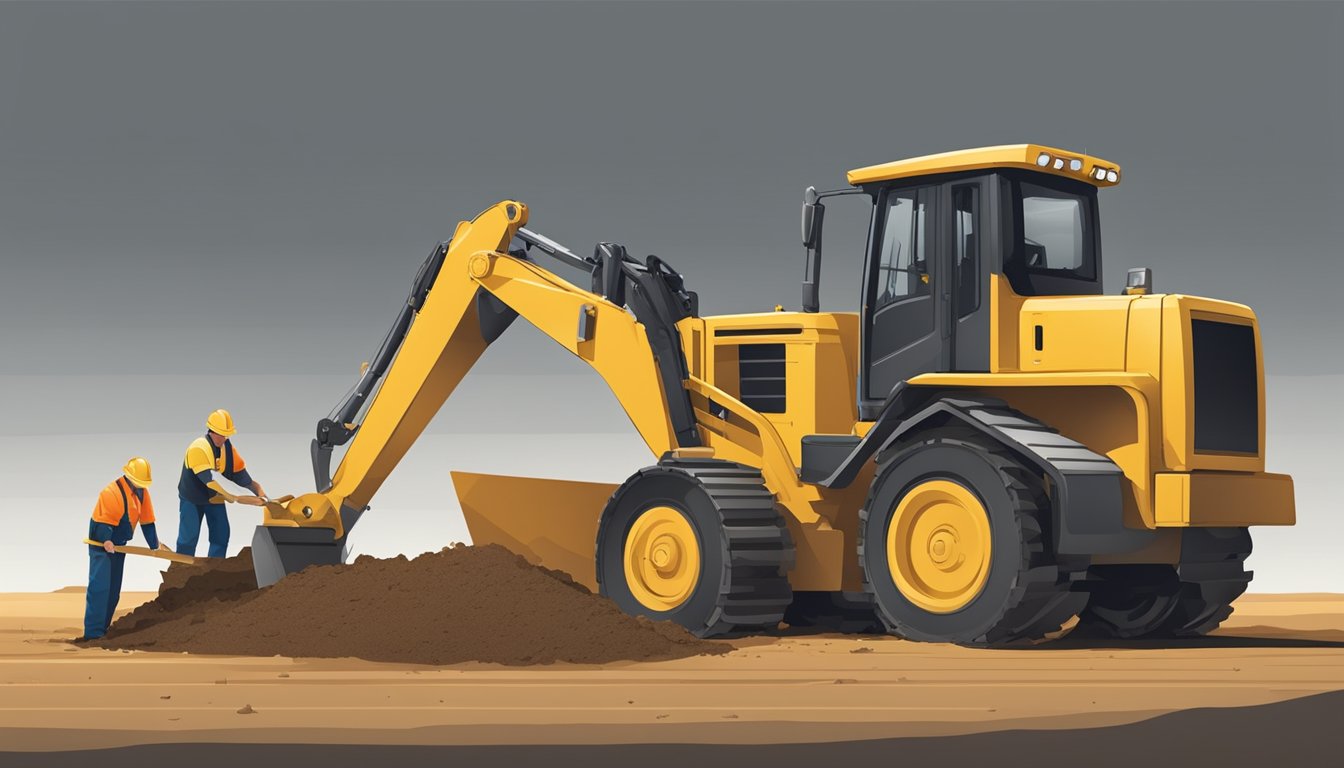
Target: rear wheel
954 547
699 542
1190 599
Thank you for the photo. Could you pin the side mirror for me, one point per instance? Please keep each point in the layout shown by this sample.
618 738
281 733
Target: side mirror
810 217
1139 282
813 215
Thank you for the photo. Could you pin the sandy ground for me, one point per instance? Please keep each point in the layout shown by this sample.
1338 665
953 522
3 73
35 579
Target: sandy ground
791 688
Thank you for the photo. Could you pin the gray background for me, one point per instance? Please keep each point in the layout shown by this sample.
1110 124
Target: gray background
206 205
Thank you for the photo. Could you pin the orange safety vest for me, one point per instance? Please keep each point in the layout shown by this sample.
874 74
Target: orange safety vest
118 499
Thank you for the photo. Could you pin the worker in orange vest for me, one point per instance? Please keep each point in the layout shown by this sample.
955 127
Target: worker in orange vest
121 506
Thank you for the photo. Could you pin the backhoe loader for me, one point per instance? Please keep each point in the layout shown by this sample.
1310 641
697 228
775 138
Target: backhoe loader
988 448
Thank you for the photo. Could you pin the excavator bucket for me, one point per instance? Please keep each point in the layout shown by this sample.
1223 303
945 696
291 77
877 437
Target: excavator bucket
551 523
278 551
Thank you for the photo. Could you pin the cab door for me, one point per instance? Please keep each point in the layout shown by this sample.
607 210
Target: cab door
907 319
972 237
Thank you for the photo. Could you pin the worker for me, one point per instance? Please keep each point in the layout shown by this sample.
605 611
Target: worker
201 496
121 506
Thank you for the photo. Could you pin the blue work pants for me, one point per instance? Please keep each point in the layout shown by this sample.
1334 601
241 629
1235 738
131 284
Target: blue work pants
100 601
189 528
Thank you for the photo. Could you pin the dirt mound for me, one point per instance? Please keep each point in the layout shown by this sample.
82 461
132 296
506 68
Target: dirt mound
189 594
455 605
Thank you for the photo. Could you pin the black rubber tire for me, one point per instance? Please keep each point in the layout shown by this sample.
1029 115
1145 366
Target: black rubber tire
1129 601
1163 601
1027 595
844 612
1213 575
745 548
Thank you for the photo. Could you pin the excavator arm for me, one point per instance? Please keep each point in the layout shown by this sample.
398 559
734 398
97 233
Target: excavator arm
465 295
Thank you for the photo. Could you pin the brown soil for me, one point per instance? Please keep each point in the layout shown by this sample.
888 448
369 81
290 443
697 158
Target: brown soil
456 605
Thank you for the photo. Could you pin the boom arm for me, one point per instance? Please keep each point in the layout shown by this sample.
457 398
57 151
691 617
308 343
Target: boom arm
465 295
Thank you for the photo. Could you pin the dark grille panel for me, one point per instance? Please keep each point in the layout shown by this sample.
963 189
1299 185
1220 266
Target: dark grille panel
1227 392
760 376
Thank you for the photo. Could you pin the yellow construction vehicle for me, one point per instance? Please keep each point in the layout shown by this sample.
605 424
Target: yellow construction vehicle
990 447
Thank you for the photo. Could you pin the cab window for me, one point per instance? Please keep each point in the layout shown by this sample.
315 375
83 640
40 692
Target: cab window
907 248
966 248
1053 236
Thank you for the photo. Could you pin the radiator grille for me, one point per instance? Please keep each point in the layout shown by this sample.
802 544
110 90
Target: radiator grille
1227 390
760 376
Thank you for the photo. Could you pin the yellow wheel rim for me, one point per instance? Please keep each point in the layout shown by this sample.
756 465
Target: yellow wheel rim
938 546
662 559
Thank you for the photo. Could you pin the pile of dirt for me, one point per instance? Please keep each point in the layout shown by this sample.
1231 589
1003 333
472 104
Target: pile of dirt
456 605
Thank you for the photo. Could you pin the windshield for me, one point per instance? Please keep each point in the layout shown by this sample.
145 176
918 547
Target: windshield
1053 239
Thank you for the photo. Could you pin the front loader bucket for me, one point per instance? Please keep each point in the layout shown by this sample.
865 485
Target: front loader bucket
552 523
278 551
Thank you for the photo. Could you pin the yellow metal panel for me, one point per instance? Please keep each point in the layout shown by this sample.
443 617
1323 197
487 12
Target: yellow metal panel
1006 156
1006 308
552 523
1143 341
1224 499
1078 333
723 370
1171 498
821 358
1178 425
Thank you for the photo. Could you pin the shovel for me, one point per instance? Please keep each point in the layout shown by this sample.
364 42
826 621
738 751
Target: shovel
161 554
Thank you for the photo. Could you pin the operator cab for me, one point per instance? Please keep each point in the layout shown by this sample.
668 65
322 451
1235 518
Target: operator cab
948 234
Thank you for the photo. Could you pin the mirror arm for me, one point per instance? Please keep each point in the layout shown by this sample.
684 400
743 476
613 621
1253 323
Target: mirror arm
814 213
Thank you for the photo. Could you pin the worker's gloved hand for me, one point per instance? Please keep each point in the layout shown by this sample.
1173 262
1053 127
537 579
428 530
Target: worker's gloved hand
109 547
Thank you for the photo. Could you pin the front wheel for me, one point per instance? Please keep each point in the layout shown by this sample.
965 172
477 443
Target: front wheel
698 542
954 547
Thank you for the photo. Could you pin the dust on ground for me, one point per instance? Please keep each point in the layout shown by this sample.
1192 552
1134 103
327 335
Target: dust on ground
456 605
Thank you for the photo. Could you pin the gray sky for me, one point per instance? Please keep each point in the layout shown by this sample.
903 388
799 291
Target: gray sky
224 203
265 177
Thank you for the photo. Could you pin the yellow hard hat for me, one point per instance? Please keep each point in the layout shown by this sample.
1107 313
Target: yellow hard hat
137 471
221 423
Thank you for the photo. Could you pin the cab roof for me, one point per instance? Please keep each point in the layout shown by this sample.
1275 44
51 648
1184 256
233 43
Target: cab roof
1032 157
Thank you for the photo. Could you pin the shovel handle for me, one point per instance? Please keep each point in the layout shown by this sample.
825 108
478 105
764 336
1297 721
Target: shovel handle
158 554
